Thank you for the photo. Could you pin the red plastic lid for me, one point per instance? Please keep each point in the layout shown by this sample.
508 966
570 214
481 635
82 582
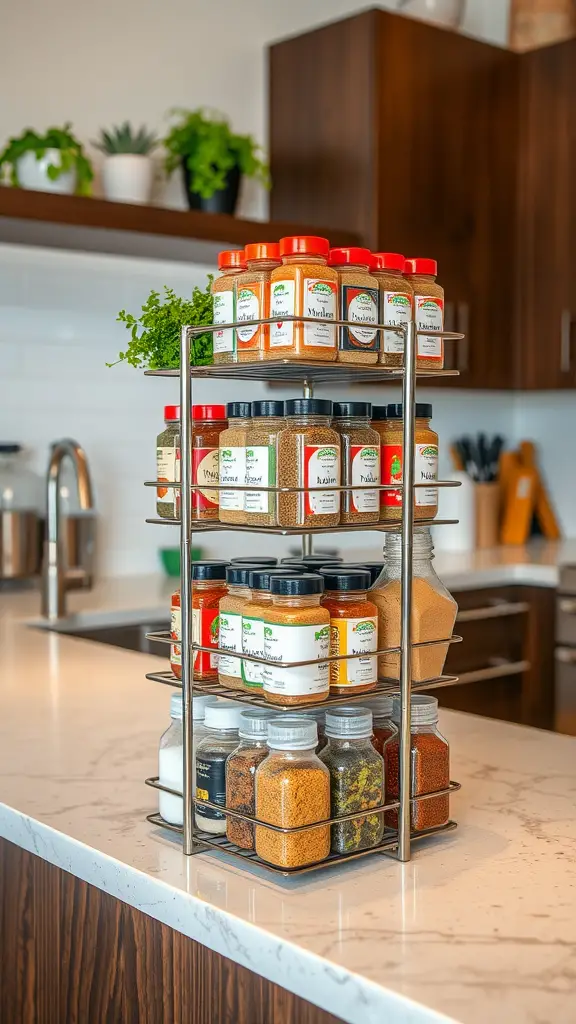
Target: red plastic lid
262 251
293 245
389 261
208 412
420 265
231 259
171 413
350 254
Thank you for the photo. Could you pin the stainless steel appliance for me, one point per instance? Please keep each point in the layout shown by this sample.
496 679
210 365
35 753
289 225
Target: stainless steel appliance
21 522
565 682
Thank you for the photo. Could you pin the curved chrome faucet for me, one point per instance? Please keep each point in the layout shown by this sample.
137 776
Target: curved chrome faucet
56 578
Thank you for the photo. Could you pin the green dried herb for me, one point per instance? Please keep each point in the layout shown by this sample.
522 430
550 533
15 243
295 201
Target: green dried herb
155 334
356 784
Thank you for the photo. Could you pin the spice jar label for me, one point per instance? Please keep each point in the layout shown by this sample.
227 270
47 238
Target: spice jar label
230 638
396 310
249 303
166 471
296 643
260 469
321 466
429 315
176 633
319 300
211 784
353 636
391 474
204 633
252 643
223 314
204 471
426 470
360 304
282 303
365 465
232 470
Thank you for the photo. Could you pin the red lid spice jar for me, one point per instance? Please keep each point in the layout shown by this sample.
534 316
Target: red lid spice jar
208 586
231 262
252 299
304 285
358 301
428 311
208 422
396 304
353 630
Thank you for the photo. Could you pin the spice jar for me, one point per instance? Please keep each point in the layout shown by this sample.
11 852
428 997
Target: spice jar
232 462
374 568
296 628
264 560
171 756
360 448
292 789
319 716
308 456
262 462
353 630
208 422
252 295
358 301
230 624
168 464
303 286
389 420
222 721
382 725
428 311
241 774
433 609
356 779
430 765
396 304
253 615
231 262
311 563
208 587
176 634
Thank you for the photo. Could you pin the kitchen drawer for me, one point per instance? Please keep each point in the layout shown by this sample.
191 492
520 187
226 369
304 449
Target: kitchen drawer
492 624
566 619
566 690
493 698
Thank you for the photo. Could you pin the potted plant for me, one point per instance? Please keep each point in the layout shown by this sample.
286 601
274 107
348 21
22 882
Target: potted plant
128 170
52 162
155 333
213 159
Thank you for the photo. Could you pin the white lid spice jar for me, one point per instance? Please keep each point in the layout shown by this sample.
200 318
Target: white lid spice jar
171 756
296 628
360 461
430 764
222 722
358 299
232 462
241 774
308 456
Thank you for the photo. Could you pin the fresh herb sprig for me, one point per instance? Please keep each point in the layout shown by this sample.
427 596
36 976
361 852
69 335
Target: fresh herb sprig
155 334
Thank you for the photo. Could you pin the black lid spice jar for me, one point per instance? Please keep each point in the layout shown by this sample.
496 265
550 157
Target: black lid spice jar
296 628
232 462
389 422
360 461
262 462
353 629
308 456
230 624
358 295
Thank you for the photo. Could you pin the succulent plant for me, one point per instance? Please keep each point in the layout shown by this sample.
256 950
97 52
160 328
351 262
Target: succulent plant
123 139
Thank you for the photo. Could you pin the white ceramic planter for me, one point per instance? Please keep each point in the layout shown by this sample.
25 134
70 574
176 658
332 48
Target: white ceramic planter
127 178
33 173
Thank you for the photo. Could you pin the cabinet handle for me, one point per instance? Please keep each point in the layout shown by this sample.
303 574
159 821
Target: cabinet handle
494 671
493 611
567 605
565 332
566 655
463 346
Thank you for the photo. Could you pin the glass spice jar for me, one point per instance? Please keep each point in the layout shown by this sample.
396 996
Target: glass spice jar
262 462
231 262
208 422
308 456
353 630
222 720
171 756
296 628
391 431
319 716
292 789
253 615
230 624
382 724
374 568
208 586
428 311
168 464
356 779
360 448
303 286
241 774
358 301
396 304
430 765
252 299
311 563
232 462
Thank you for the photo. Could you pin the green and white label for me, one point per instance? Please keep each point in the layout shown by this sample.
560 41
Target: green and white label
230 639
260 470
252 643
282 303
224 314
296 643
397 311
232 469
426 471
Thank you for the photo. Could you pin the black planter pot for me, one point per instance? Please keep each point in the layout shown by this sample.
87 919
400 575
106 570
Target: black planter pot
223 201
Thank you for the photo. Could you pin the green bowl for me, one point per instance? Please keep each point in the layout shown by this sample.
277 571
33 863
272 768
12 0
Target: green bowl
170 558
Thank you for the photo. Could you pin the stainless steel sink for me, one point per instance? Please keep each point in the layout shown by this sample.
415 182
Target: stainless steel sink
126 629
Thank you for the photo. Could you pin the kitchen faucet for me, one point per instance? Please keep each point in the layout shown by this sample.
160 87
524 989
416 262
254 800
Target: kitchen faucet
57 577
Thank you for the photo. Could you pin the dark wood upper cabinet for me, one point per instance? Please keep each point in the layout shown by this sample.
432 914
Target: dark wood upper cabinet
426 142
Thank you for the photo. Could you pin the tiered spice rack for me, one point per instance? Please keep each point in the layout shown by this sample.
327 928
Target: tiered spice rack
308 374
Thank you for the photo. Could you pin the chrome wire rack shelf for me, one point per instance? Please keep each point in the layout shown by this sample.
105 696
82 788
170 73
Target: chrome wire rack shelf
308 373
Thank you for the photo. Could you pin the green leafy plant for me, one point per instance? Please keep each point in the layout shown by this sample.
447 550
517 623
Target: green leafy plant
155 334
123 139
205 141
72 155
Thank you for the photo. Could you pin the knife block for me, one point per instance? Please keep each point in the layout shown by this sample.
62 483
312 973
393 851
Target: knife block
487 507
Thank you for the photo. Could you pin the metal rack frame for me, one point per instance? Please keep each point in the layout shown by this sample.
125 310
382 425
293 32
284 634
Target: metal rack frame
308 373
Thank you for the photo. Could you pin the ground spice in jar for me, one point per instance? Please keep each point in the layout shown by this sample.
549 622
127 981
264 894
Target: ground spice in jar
208 422
252 299
396 304
232 462
308 456
292 789
208 587
358 301
241 774
231 262
391 430
428 311
296 628
176 634
356 779
430 765
253 615
168 464
262 462
303 286
382 725
230 625
353 630
360 448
